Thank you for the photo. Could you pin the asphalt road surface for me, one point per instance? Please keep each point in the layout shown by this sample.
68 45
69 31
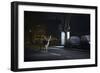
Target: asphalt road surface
56 53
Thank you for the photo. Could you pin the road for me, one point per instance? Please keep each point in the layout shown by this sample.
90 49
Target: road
57 53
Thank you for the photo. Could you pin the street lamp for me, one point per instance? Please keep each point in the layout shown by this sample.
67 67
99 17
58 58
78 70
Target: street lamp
68 32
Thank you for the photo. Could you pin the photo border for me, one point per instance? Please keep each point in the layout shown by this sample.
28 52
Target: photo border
14 35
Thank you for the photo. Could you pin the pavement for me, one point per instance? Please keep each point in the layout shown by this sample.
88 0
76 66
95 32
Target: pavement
56 53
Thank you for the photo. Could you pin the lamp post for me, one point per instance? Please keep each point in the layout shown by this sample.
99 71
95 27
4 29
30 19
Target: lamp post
67 27
68 32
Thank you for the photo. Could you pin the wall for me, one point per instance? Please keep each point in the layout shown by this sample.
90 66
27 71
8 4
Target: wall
5 27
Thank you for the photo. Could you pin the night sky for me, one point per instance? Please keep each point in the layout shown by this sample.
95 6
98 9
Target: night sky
79 23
